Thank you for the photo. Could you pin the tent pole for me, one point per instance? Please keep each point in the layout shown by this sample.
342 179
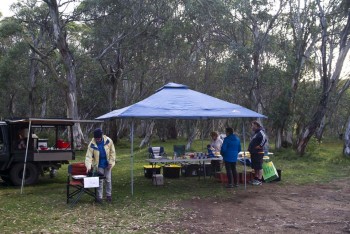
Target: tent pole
132 157
245 169
202 135
25 158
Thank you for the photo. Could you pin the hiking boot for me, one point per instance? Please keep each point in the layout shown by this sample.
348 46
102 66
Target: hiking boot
98 200
251 181
257 182
229 186
236 185
109 199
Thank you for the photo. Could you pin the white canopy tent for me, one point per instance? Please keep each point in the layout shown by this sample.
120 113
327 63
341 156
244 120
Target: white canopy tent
177 101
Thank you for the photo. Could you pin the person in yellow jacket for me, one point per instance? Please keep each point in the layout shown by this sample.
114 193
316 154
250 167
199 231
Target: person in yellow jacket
100 159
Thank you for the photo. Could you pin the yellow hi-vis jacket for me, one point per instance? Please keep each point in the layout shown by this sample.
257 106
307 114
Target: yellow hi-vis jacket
93 154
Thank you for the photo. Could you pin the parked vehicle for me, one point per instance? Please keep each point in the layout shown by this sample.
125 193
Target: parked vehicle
42 145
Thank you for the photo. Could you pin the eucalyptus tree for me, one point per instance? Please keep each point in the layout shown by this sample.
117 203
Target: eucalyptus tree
258 20
142 45
331 111
334 25
60 42
122 38
297 39
13 70
33 20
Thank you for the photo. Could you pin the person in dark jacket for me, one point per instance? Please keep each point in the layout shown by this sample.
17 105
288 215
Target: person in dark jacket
256 150
229 151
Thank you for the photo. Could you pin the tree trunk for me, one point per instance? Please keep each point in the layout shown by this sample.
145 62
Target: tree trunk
149 132
331 110
289 137
32 79
115 75
278 140
311 127
329 82
171 129
11 105
319 131
191 132
346 150
43 105
69 66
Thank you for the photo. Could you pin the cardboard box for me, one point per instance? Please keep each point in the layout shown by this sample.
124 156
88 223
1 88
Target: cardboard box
149 170
157 179
171 171
91 182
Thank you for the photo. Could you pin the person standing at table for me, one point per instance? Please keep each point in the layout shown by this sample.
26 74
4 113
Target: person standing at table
256 150
229 151
215 146
100 157
216 142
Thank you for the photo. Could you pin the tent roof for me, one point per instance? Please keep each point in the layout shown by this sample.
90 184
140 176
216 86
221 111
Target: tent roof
177 101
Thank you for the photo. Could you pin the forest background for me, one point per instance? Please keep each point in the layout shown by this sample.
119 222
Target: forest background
286 59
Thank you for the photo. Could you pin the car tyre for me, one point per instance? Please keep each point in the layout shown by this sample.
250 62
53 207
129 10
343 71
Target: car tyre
32 174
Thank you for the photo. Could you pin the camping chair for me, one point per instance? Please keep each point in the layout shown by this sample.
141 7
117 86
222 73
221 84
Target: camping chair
179 150
75 183
156 152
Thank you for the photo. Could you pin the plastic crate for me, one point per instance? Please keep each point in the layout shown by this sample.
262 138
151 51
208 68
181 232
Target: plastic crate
171 171
189 170
149 170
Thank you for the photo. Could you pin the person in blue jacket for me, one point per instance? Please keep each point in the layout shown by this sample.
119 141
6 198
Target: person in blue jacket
229 151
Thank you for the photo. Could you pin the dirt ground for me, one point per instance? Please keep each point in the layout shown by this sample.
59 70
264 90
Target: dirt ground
269 208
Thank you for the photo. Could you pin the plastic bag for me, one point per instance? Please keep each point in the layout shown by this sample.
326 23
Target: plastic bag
269 171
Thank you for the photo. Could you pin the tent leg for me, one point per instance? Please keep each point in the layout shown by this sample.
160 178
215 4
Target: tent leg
25 158
132 158
245 168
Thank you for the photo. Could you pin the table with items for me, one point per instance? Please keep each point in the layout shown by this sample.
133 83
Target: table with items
191 164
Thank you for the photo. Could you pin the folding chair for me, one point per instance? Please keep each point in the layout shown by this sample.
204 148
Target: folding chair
179 150
75 183
156 152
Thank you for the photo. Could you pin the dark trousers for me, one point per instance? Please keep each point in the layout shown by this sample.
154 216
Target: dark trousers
231 172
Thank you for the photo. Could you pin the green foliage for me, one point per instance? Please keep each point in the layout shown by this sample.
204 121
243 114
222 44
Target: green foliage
322 163
9 27
313 146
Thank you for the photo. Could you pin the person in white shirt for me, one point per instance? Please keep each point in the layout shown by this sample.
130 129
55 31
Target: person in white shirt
215 146
216 142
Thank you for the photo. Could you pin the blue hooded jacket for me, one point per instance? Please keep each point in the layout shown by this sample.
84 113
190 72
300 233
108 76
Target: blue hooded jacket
230 148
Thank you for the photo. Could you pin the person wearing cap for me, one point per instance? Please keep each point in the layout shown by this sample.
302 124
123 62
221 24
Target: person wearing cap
256 150
100 157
